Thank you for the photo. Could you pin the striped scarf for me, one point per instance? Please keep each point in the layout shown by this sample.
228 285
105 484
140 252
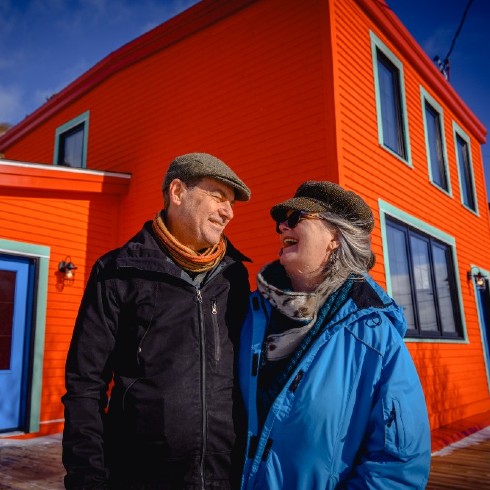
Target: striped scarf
185 257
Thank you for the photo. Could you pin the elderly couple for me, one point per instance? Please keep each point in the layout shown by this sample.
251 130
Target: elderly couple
304 384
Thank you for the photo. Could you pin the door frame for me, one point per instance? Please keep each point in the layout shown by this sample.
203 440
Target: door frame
481 320
36 355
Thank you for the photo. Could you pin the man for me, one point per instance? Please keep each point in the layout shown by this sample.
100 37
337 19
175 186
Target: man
160 318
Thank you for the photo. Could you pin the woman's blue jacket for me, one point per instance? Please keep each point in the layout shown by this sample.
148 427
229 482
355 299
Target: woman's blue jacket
352 414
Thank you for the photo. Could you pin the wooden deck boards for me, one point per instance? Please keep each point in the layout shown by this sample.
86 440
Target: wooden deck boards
35 464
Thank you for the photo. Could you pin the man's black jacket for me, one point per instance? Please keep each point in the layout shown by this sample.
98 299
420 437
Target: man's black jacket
169 347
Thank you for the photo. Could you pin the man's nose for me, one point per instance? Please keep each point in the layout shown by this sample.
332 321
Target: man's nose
227 210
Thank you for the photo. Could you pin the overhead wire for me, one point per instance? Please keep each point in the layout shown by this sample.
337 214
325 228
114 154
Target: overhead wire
444 66
453 42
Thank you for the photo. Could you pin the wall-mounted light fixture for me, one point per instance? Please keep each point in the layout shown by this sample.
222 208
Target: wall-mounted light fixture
66 267
475 273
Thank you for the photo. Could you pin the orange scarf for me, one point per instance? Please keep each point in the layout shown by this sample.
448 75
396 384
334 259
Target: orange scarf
185 257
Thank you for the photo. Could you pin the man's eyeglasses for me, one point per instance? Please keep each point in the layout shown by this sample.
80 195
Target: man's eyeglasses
294 218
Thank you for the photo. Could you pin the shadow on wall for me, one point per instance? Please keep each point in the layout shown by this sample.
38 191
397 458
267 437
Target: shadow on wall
443 397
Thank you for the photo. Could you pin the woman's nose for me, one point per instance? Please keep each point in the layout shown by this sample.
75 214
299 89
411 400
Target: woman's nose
281 226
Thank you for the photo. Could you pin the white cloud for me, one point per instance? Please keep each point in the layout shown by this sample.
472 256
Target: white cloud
11 108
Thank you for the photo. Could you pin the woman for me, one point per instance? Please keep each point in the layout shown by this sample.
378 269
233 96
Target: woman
333 398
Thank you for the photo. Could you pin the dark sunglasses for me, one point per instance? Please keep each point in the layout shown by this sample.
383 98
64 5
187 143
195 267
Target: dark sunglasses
294 218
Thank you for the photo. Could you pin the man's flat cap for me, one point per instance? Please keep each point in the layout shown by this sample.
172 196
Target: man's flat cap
198 165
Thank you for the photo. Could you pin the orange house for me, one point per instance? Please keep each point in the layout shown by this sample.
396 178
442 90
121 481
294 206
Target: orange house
284 91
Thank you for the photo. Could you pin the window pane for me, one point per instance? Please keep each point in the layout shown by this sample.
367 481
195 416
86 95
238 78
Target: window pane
71 147
436 157
400 280
423 284
7 292
390 101
441 271
465 173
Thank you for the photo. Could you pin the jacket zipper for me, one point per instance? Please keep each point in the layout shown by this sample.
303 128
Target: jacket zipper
217 345
202 338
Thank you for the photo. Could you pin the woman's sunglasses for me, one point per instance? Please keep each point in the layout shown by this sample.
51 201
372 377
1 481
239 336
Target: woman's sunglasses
294 218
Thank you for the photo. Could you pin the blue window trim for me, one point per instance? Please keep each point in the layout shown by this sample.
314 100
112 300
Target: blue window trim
42 254
427 98
458 131
376 43
82 118
386 209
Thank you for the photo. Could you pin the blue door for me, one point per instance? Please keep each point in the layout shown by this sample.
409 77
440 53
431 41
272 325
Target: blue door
14 331
484 310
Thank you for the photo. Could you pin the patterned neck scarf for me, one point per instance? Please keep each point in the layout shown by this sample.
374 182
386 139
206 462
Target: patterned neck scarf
185 257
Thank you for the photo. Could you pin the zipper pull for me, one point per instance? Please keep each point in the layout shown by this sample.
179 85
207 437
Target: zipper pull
392 417
198 294
214 307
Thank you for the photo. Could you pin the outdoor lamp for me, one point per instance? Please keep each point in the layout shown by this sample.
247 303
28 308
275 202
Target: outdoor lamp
67 267
479 277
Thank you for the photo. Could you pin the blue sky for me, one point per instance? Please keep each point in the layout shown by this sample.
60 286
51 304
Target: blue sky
46 44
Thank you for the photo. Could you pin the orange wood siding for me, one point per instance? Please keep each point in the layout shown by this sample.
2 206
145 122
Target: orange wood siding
67 224
372 171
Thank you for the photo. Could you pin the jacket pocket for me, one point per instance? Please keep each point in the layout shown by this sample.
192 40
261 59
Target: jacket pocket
395 431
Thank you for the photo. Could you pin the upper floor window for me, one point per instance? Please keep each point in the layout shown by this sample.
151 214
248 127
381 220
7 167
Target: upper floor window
71 142
435 143
465 168
390 100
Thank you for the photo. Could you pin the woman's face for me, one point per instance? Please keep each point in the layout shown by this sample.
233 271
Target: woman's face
306 249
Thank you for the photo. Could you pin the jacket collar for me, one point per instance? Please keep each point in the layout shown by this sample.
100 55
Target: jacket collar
143 252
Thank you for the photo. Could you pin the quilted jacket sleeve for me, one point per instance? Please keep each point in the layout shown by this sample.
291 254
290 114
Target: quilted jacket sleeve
396 452
87 377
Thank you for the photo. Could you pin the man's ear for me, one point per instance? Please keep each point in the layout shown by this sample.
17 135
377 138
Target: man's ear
176 190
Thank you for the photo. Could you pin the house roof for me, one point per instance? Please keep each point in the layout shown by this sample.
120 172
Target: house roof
208 12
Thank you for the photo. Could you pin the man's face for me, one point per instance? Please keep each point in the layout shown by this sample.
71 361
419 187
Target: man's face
197 216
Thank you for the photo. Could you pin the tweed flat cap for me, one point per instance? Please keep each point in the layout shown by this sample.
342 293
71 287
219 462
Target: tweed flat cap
192 165
321 196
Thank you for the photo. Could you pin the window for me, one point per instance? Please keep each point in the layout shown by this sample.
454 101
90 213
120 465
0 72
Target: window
390 100
423 282
71 143
465 168
435 143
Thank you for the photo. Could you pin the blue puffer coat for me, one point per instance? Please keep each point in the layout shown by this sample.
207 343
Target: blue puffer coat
352 414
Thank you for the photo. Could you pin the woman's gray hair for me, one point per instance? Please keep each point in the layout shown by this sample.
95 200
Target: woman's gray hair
354 254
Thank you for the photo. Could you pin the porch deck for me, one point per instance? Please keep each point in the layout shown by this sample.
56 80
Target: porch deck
35 464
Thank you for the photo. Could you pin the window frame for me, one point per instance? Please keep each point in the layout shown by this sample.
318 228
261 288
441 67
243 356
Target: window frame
458 133
389 213
377 46
64 130
426 99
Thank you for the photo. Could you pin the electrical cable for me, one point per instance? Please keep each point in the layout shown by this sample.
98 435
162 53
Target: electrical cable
458 31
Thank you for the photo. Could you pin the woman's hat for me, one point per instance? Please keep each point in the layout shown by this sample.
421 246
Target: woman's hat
323 196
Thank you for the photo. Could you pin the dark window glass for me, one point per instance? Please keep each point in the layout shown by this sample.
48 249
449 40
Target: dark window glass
391 105
423 282
465 173
400 275
7 292
436 154
71 147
